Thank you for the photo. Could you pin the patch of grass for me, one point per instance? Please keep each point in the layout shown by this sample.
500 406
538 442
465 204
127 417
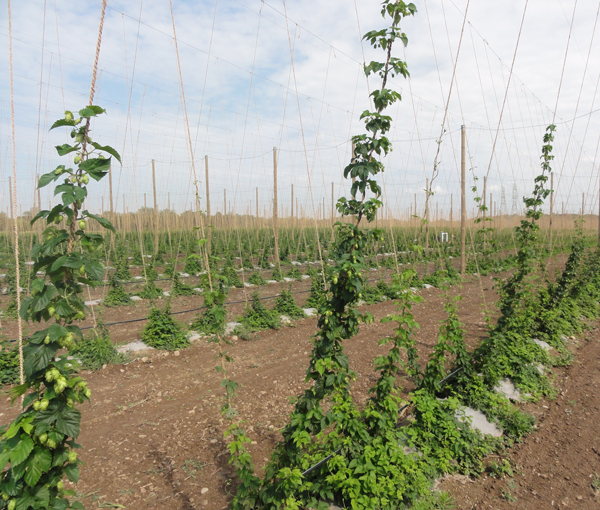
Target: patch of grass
596 482
192 466
243 332
500 469
435 501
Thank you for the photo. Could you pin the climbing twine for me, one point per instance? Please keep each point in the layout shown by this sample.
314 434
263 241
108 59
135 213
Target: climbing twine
14 196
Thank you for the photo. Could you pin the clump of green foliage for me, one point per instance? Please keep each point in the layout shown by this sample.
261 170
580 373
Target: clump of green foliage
263 260
116 295
257 317
257 279
277 275
178 288
286 305
162 331
150 291
137 259
96 349
9 363
371 294
294 273
318 291
170 268
149 272
192 264
122 270
231 275
211 321
389 291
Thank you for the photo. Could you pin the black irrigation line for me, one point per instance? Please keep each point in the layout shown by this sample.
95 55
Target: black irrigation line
130 321
323 461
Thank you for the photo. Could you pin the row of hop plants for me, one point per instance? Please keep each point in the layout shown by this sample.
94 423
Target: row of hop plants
334 450
373 463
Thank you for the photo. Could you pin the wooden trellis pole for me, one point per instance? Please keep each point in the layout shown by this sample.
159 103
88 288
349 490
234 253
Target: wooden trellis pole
463 202
275 226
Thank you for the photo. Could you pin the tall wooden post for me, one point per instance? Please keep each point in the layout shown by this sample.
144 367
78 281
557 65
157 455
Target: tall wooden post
275 229
332 206
599 219
484 198
292 214
110 193
10 194
353 151
463 202
552 210
39 197
485 215
582 205
416 217
155 209
208 226
426 214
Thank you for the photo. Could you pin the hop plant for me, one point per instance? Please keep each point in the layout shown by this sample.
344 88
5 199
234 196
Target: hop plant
122 270
286 305
178 288
162 332
151 291
256 279
37 449
257 317
229 272
116 295
192 264
277 275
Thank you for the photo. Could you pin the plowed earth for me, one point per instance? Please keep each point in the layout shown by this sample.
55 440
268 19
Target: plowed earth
153 433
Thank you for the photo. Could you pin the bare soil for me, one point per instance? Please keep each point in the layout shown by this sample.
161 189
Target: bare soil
153 434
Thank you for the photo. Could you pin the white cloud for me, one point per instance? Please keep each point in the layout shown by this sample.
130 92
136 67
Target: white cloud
237 126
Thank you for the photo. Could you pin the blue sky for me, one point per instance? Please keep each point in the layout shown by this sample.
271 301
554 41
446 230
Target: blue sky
243 99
